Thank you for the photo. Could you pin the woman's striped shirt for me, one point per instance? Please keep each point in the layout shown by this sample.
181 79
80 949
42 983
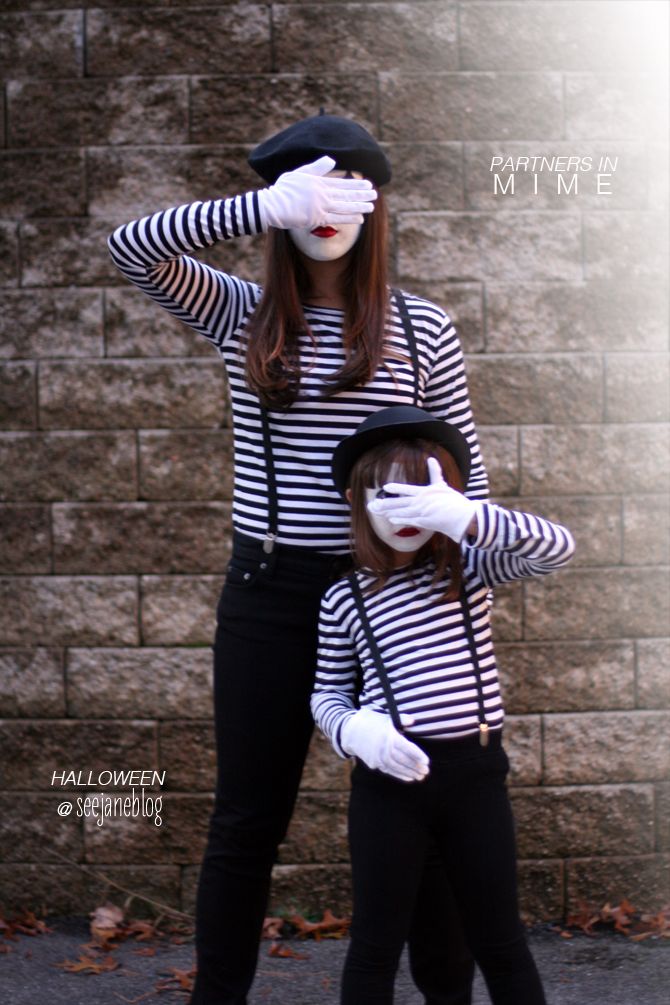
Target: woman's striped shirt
155 253
422 638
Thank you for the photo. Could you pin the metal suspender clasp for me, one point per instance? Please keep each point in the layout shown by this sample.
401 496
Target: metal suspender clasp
269 542
483 734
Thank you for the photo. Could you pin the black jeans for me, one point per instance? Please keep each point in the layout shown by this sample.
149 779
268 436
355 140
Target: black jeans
463 807
264 664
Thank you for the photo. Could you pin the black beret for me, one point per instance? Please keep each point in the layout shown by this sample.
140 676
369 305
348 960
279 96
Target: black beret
350 145
402 422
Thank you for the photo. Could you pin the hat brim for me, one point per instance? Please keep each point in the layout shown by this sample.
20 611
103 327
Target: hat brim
350 449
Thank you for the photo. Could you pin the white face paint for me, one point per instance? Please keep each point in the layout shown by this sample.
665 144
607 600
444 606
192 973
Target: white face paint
326 244
401 539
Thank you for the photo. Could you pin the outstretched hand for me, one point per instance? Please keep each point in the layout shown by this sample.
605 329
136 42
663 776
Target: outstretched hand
310 197
435 506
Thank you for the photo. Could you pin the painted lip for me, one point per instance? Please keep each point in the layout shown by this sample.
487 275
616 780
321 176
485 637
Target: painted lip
407 532
324 232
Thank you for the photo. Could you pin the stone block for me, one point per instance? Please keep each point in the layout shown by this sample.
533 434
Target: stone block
400 35
141 537
178 839
68 610
595 523
309 889
44 44
179 610
43 183
426 176
187 753
594 604
66 253
18 396
136 326
653 678
566 676
324 770
592 747
90 112
31 683
627 245
663 817
132 394
576 317
596 184
533 389
637 387
33 831
614 107
433 107
646 530
507 613
127 182
186 464
523 742
142 42
25 543
36 750
556 36
463 302
55 322
593 459
254 105
576 822
469 246
65 889
9 254
318 829
74 465
500 450
643 880
541 890
139 683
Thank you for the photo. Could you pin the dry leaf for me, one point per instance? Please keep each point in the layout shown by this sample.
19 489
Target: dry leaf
284 950
88 965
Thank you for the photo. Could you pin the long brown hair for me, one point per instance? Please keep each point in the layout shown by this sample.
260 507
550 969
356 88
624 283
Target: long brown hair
272 359
372 469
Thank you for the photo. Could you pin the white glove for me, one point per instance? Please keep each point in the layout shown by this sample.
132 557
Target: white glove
372 736
435 507
306 198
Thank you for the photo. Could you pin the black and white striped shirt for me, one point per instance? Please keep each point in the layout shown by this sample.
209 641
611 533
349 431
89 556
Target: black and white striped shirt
422 638
155 254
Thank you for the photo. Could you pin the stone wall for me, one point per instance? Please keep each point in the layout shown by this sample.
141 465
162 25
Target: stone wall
115 455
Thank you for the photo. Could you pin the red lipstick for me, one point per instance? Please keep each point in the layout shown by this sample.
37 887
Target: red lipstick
324 232
407 532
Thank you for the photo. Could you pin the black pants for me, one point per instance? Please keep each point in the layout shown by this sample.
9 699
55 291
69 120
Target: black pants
264 664
463 807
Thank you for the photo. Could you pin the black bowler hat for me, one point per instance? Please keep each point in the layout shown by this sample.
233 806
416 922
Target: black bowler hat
350 145
402 422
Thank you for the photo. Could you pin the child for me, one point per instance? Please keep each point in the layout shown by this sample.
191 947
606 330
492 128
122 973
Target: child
409 633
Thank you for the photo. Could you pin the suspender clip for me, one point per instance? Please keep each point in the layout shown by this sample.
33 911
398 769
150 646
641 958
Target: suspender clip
269 543
483 734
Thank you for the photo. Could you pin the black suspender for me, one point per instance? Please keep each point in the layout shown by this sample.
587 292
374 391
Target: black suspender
270 472
381 669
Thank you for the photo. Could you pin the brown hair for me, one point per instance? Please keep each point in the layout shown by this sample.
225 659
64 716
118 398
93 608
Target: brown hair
272 360
372 469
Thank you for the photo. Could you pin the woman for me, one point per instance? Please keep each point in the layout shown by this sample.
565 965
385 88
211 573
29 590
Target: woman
319 347
413 622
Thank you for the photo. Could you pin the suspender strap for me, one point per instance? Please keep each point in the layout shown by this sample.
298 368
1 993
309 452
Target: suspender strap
470 632
376 655
381 669
411 339
273 508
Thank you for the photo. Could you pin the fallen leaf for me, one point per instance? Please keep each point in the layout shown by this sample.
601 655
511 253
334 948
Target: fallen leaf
88 965
284 950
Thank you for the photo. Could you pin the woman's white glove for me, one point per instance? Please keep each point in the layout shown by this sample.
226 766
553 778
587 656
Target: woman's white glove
372 736
306 198
435 506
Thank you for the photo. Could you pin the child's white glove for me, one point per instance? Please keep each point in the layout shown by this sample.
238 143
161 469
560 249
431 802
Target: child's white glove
305 198
372 736
435 507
